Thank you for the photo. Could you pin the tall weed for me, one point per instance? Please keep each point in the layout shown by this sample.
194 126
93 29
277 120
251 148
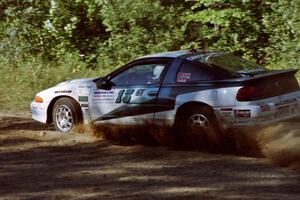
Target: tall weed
22 79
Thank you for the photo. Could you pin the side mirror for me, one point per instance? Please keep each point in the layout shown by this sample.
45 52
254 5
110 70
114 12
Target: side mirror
103 84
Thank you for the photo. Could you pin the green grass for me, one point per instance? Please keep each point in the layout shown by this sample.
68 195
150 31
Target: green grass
22 79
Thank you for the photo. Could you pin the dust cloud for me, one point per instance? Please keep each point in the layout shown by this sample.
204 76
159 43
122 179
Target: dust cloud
232 142
281 144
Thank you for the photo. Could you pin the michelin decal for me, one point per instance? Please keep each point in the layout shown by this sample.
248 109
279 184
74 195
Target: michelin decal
103 95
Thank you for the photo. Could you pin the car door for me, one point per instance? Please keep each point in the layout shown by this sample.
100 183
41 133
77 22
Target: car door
131 99
185 78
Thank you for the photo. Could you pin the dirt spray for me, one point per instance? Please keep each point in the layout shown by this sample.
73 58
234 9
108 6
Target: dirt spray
281 144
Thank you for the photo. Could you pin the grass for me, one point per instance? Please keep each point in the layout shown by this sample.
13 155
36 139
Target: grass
22 79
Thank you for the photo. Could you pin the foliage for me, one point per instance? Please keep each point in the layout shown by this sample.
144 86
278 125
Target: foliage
43 42
138 28
228 25
21 28
283 26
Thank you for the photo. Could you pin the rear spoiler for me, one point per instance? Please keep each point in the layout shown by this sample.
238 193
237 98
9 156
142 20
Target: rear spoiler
246 80
271 74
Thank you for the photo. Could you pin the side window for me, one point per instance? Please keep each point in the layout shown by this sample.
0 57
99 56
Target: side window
143 74
190 73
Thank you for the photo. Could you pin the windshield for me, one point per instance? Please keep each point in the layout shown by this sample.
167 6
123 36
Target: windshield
230 62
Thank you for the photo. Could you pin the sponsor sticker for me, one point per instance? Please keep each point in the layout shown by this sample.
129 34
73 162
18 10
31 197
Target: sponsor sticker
37 107
84 86
63 91
83 98
182 77
265 108
104 95
287 101
242 113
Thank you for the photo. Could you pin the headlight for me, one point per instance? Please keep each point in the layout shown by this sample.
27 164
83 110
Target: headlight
38 99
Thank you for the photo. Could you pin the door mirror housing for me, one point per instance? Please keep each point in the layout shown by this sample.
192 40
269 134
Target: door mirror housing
104 84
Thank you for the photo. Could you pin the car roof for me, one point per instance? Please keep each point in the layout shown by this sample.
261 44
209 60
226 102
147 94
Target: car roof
170 54
190 54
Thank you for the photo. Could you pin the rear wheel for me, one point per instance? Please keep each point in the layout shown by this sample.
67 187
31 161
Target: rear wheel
66 114
198 125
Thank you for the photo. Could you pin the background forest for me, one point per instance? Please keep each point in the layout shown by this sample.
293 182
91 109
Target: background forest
43 42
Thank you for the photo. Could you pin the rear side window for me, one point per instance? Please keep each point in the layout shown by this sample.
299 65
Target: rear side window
191 73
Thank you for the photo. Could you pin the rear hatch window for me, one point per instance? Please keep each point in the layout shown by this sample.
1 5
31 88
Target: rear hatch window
235 65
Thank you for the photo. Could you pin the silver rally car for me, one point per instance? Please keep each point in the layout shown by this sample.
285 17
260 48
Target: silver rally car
209 90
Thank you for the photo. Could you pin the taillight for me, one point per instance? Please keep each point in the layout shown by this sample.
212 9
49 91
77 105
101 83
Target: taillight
246 93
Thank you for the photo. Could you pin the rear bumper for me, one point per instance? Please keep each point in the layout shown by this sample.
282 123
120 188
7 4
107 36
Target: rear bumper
262 114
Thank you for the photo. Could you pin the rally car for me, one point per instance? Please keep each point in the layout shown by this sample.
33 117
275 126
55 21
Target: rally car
209 90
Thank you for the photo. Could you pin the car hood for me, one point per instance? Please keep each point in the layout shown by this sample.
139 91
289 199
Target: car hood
77 81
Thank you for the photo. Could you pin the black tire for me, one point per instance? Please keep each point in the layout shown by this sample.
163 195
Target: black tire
197 126
66 114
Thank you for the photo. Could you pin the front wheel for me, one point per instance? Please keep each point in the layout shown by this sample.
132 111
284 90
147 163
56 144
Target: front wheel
66 114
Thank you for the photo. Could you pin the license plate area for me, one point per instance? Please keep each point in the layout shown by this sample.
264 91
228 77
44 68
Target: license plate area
285 111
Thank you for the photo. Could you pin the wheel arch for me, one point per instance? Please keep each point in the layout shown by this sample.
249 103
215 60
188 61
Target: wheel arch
188 105
51 105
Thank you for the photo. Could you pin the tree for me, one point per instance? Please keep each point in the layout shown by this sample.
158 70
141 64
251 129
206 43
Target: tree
228 25
282 23
21 25
139 27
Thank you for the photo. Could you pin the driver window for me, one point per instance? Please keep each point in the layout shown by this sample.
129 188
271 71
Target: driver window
143 74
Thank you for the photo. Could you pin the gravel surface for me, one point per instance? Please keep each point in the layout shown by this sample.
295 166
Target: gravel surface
39 163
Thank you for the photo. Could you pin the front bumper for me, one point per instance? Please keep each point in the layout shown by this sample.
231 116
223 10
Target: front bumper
39 111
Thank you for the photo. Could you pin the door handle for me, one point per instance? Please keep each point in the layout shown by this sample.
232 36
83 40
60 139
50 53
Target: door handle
152 93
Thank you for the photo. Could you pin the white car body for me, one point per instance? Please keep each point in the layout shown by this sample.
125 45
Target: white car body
99 105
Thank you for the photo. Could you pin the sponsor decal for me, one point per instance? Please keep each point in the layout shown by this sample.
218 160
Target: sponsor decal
183 77
265 108
227 112
84 86
103 95
37 108
83 98
63 91
288 101
242 113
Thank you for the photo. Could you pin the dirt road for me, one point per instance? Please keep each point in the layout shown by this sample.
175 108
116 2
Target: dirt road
39 163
